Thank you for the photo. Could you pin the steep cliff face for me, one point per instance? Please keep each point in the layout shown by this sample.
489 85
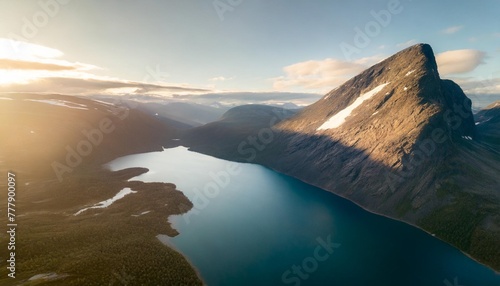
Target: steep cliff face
385 130
402 142
386 109
396 139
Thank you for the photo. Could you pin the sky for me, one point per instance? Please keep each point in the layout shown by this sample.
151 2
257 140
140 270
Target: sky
280 48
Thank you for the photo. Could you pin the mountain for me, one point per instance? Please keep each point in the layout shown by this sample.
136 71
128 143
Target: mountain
182 115
191 114
52 148
397 140
488 124
237 132
44 130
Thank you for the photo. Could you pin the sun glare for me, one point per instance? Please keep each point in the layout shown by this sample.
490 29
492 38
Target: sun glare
18 76
24 52
22 63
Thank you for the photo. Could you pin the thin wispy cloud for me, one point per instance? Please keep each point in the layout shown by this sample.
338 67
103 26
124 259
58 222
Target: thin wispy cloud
26 67
220 78
19 50
407 44
452 30
239 98
79 86
470 85
22 62
32 65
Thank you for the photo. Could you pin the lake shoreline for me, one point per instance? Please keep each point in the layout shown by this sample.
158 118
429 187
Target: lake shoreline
165 240
257 193
497 272
383 215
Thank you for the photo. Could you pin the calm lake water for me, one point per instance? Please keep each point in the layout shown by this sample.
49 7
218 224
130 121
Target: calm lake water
253 226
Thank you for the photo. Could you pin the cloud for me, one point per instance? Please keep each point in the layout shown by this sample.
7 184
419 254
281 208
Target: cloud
258 96
490 85
452 30
82 86
459 61
321 75
482 91
407 44
239 98
31 65
26 67
13 49
220 78
22 62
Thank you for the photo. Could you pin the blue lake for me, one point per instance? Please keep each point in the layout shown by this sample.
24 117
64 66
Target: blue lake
253 226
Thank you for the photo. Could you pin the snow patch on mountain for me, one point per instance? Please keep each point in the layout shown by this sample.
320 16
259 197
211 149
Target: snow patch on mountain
339 118
143 213
61 103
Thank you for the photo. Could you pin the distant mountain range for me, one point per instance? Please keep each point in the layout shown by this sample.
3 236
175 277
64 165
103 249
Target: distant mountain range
185 112
396 139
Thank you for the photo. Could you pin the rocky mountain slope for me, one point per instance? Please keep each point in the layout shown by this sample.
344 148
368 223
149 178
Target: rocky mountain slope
397 140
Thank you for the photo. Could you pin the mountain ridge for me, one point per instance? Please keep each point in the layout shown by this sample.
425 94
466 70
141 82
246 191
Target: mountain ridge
410 151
